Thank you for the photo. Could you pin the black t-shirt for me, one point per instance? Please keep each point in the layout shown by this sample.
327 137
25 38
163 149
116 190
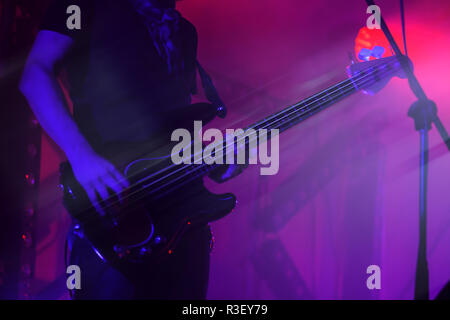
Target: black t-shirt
119 85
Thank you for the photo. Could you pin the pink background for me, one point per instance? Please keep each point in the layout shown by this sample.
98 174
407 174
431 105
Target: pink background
346 195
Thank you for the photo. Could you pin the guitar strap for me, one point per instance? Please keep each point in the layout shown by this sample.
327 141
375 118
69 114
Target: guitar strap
211 92
162 20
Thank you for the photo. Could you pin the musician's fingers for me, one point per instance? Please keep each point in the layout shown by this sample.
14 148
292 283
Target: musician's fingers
120 178
102 191
92 195
114 185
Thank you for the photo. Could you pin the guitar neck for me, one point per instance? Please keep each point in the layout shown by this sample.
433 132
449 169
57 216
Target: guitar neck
175 176
293 115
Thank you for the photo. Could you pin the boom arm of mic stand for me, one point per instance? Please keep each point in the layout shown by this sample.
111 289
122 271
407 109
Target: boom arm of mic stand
413 82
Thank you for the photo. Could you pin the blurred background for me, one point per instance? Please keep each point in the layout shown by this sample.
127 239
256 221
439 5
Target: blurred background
346 195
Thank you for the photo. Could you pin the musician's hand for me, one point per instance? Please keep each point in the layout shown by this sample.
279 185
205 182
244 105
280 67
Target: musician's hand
98 177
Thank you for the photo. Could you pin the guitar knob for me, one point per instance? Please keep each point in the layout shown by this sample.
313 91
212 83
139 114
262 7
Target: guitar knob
115 222
120 251
78 231
159 239
145 251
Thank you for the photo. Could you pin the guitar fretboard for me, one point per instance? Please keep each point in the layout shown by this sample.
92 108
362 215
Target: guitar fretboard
306 108
175 176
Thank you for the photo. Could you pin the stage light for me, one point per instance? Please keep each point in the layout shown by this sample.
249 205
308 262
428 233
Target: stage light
371 44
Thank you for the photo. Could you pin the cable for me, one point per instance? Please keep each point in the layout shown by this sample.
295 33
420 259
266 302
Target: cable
402 13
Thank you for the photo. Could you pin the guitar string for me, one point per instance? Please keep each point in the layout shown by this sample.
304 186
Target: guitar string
278 114
355 84
324 92
309 112
267 124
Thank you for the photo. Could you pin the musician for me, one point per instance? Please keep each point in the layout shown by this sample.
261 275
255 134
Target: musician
130 60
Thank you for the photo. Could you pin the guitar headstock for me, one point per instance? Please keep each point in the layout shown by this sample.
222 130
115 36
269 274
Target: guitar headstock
378 72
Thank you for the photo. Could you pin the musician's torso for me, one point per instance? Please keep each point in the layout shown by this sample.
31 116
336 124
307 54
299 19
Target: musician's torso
118 83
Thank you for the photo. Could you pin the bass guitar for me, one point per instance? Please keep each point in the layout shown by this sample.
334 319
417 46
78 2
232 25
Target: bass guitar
165 200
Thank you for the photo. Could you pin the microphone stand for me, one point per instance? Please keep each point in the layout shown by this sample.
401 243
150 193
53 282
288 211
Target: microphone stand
424 113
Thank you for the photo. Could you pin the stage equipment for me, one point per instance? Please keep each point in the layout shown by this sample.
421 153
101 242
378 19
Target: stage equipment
424 113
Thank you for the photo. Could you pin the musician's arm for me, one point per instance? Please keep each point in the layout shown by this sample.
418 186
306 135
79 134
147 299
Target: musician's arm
40 86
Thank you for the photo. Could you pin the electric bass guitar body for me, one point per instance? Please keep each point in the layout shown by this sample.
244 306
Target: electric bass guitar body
159 207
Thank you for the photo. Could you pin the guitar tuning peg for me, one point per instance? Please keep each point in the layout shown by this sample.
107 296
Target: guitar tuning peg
365 54
377 52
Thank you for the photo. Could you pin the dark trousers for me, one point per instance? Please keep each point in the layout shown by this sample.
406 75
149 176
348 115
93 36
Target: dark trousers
182 275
